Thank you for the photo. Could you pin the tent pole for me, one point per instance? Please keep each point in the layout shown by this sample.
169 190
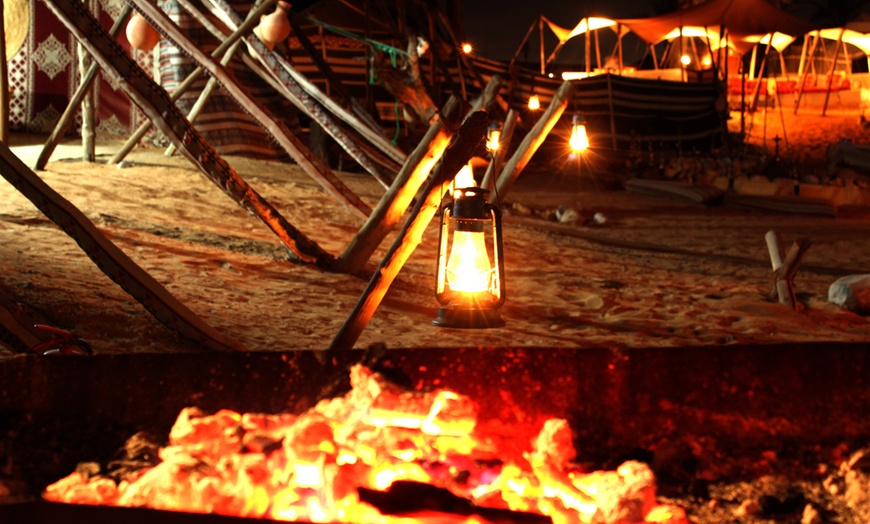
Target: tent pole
652 51
588 48
619 43
833 66
523 43
762 72
597 50
803 55
541 35
803 77
680 58
752 62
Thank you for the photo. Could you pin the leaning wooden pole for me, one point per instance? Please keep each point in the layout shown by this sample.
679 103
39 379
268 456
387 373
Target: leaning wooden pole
308 161
109 258
532 142
455 157
4 84
495 166
833 69
156 104
301 100
395 202
75 101
187 83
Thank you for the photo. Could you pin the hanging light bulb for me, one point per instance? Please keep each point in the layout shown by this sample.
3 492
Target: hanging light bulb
579 140
467 48
534 103
493 138
469 277
685 60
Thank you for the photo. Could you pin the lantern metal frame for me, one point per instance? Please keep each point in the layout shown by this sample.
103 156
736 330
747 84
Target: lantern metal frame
471 212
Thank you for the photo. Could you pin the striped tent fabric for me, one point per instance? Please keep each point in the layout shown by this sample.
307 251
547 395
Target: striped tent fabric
222 121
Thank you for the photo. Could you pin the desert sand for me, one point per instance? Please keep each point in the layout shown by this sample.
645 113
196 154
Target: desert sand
656 272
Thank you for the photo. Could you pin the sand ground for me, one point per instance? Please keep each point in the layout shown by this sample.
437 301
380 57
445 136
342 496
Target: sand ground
657 272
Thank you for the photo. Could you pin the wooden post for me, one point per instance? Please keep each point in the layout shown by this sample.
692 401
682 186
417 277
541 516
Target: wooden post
532 142
761 75
784 270
455 157
494 167
335 84
803 75
610 106
187 83
4 84
291 144
77 97
833 68
206 92
395 202
292 90
88 109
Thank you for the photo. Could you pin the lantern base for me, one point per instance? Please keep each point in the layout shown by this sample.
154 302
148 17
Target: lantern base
463 318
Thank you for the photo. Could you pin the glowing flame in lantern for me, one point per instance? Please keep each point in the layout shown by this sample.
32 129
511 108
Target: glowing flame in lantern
468 267
464 178
534 103
579 140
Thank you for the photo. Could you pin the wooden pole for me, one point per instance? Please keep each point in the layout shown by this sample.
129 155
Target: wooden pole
187 83
204 95
610 106
4 84
455 157
532 142
494 167
396 200
63 123
833 67
784 269
803 77
761 75
310 164
336 85
89 106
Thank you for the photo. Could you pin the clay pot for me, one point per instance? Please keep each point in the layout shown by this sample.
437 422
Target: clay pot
140 34
273 27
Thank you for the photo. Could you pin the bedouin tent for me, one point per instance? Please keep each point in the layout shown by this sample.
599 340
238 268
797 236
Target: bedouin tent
745 21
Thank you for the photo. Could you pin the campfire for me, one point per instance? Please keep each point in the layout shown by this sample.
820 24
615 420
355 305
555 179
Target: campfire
380 453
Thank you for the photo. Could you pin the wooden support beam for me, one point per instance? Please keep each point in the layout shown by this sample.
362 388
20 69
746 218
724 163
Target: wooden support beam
295 94
395 202
187 83
495 166
157 105
206 92
532 142
75 101
291 144
455 157
335 83
89 107
784 269
4 85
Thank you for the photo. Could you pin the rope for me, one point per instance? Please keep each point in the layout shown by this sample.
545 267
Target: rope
390 50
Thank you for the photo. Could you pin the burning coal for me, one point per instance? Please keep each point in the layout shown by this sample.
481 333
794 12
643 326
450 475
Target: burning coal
381 453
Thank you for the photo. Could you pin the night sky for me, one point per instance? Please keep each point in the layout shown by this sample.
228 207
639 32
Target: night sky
496 27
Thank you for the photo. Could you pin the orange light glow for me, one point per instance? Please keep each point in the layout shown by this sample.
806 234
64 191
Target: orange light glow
534 103
250 466
464 178
468 267
466 48
579 140
685 60
492 141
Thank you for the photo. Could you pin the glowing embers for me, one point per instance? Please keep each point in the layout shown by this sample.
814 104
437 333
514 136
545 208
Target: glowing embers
317 466
469 282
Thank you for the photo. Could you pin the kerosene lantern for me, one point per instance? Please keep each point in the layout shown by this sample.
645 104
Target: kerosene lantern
469 281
